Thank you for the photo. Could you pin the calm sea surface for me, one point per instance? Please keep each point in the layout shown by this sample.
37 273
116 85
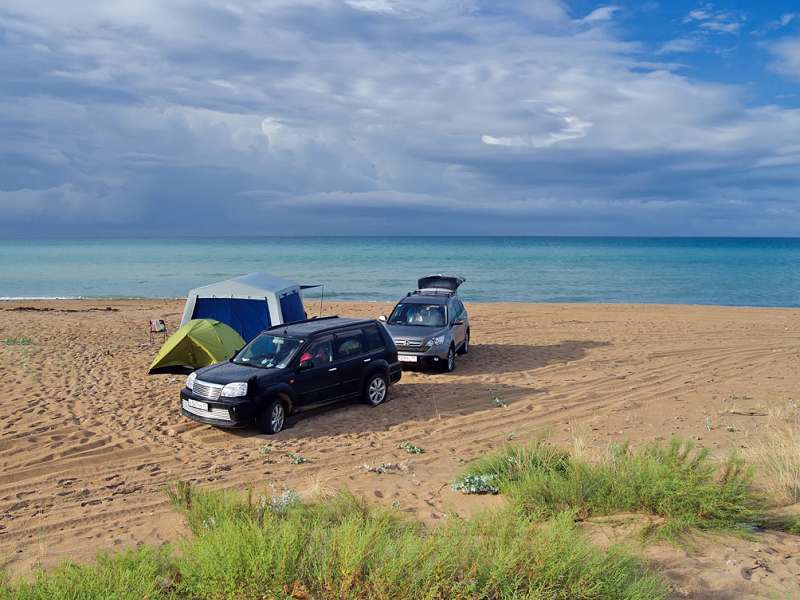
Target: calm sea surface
743 272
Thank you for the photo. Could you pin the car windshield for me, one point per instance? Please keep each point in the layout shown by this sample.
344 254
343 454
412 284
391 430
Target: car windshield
425 315
268 351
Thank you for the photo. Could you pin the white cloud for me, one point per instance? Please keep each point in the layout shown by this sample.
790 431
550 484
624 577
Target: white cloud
787 57
784 20
713 20
603 13
679 45
572 128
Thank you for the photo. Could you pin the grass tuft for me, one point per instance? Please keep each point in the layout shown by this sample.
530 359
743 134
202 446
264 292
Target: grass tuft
133 575
17 341
778 455
676 481
411 448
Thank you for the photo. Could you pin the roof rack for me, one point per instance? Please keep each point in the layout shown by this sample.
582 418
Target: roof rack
431 292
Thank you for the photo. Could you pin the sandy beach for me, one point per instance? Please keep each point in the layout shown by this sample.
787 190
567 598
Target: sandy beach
88 440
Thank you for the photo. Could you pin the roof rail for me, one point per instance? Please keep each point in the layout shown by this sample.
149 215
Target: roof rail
431 292
311 320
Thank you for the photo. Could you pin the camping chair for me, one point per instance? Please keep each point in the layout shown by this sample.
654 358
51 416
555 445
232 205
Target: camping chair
157 326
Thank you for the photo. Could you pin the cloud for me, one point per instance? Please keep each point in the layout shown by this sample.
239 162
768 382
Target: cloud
329 116
572 128
603 13
783 21
786 53
712 20
679 46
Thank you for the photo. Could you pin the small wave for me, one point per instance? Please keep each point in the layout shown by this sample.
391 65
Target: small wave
10 298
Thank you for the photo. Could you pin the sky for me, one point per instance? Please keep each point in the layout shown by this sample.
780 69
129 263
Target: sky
398 117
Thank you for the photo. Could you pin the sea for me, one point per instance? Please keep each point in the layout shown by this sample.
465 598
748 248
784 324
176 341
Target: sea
710 271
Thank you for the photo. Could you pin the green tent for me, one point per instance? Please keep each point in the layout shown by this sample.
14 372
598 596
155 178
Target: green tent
199 343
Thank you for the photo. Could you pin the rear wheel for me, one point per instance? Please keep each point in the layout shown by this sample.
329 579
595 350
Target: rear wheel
376 391
449 365
272 417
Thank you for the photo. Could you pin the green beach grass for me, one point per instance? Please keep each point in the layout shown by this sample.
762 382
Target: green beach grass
343 547
244 546
685 486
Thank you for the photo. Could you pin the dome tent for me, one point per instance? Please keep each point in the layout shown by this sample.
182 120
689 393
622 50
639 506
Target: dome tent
199 343
248 303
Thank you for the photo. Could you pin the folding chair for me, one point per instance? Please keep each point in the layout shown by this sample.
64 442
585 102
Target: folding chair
158 326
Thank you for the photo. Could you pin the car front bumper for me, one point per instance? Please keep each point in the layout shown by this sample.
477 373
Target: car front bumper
220 413
434 355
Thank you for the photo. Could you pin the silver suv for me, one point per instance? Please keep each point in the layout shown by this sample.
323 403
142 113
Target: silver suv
430 325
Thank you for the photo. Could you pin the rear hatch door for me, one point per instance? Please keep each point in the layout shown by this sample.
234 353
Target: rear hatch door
439 282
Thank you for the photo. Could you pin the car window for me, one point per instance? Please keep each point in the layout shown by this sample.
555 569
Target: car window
424 315
373 337
349 344
320 352
268 351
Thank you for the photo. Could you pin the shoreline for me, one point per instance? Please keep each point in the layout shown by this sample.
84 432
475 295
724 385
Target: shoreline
315 301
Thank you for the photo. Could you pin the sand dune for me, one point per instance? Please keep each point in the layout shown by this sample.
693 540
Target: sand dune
88 440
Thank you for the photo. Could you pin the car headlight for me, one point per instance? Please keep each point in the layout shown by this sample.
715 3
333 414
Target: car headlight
190 380
435 341
234 390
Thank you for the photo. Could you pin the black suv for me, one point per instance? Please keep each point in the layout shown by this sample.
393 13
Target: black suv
290 368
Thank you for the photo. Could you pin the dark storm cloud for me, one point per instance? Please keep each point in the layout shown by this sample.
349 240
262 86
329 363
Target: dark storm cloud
378 116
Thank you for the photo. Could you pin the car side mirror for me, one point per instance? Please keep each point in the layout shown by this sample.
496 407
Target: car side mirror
382 318
305 365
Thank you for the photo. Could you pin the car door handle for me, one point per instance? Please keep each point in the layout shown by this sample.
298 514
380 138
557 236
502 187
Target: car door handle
367 359
332 370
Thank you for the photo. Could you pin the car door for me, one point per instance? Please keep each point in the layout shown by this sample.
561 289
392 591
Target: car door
321 382
375 344
459 327
350 358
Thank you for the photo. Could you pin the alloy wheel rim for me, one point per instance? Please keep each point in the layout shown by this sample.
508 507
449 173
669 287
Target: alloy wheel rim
277 417
377 390
451 359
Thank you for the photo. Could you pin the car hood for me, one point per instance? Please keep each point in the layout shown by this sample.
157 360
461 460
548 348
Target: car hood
228 372
414 332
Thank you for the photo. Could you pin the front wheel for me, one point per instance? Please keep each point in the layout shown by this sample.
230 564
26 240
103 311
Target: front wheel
272 417
377 389
449 365
465 346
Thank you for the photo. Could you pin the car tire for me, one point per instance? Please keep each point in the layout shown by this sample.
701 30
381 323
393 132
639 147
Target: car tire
465 346
376 389
449 365
272 417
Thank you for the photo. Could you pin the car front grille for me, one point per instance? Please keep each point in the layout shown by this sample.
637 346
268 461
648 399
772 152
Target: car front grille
222 414
405 345
208 391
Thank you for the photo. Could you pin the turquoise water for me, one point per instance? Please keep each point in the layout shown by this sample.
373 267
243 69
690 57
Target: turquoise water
744 272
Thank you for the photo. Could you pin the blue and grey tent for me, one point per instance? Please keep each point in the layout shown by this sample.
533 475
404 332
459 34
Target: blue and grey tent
249 303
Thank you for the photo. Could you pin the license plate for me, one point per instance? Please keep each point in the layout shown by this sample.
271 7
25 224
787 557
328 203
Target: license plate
196 404
406 358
